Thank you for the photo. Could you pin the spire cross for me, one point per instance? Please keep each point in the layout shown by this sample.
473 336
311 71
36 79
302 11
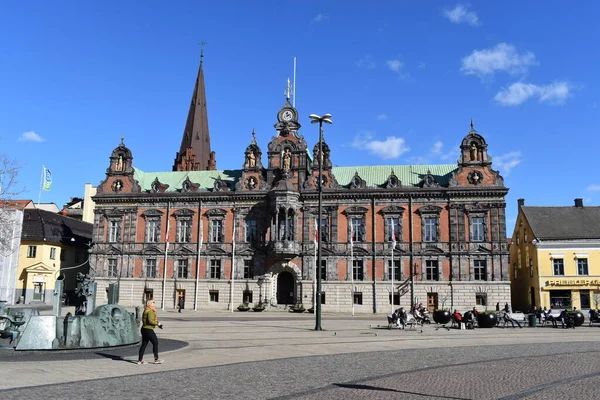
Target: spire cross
472 124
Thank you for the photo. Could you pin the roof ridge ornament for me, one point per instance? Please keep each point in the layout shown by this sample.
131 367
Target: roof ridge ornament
472 126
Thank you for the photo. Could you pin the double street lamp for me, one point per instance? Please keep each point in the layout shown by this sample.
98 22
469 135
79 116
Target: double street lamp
314 118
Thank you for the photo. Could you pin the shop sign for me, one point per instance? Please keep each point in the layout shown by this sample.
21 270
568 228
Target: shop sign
573 282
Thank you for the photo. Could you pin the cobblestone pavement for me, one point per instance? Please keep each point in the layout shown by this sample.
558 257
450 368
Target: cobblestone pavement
281 356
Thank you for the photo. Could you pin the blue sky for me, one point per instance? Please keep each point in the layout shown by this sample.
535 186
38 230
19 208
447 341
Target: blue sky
401 79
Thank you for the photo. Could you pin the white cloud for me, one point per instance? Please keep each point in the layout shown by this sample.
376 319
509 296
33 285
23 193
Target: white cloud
438 150
437 147
519 92
31 136
505 163
460 14
593 188
395 65
502 57
391 147
381 117
422 65
320 17
366 62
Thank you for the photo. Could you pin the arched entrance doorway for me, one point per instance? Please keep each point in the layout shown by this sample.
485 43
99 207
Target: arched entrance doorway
285 288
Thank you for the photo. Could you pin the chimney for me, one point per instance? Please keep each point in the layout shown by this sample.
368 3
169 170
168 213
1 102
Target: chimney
579 202
521 202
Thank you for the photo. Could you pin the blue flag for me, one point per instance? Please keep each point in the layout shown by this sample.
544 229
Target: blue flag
47 178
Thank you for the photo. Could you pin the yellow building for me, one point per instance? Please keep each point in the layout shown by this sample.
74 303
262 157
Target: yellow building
555 257
50 244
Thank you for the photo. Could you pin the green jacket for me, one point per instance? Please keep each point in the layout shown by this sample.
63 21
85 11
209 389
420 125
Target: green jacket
149 319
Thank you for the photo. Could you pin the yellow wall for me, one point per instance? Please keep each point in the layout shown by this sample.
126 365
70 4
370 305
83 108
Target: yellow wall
42 268
526 249
570 280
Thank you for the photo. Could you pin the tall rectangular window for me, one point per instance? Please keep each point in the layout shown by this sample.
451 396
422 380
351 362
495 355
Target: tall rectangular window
31 251
52 253
396 298
358 298
150 268
323 270
357 270
184 230
213 296
430 228
397 275
114 231
112 268
182 269
215 269
216 230
250 230
559 266
247 296
358 229
582 266
432 272
481 299
393 224
477 231
324 234
152 230
248 270
480 270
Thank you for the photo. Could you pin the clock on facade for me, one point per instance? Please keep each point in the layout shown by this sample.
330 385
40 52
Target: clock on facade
287 115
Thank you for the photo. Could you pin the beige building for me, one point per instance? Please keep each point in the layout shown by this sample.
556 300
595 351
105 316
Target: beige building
555 257
51 245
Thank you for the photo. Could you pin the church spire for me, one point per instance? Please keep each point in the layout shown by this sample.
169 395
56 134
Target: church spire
194 153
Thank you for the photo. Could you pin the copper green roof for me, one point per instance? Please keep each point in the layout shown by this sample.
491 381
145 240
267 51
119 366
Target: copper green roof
377 175
409 175
175 179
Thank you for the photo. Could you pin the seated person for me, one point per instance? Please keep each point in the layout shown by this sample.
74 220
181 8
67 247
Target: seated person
468 319
567 320
508 318
548 317
457 316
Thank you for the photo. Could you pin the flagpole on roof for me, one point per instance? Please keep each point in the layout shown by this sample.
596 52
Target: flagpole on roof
41 183
294 89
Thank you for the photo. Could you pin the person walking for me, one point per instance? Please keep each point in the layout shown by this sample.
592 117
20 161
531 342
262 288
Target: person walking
149 322
180 303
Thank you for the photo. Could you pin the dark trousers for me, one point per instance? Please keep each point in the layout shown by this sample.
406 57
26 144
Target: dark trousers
148 335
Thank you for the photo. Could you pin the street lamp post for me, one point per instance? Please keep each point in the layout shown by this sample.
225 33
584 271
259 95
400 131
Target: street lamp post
314 118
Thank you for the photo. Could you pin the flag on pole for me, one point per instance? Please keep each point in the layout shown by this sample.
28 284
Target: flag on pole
351 233
47 178
393 235
316 240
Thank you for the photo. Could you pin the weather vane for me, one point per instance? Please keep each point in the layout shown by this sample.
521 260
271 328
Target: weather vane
288 90
202 43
